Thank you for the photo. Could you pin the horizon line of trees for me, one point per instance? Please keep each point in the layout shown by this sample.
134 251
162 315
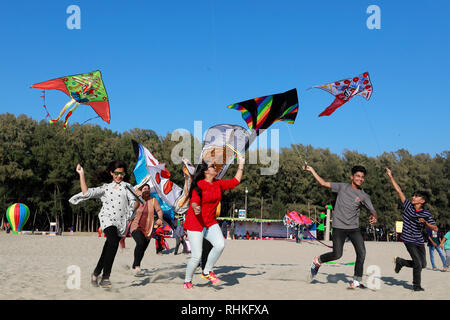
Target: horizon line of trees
38 160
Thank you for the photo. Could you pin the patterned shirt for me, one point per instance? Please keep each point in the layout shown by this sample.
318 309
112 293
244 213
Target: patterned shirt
117 204
412 228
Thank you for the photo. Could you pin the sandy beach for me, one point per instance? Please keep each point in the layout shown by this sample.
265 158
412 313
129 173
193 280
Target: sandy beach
47 267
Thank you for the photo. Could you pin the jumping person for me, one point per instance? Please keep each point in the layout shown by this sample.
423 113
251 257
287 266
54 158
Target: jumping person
142 226
415 217
117 208
205 194
350 197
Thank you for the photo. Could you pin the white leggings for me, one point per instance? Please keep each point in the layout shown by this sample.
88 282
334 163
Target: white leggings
214 235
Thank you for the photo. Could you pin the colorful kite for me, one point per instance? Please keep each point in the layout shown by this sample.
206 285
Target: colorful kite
222 144
346 89
86 88
294 219
149 170
262 112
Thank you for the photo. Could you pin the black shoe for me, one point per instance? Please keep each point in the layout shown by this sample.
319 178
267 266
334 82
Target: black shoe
418 288
94 283
397 266
105 283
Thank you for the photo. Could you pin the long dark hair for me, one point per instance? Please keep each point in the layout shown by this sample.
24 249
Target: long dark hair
199 174
104 176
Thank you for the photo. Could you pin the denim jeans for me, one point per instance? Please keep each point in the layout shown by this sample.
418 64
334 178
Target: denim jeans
214 235
418 262
441 254
357 240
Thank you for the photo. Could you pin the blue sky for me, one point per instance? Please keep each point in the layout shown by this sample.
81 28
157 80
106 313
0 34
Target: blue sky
168 64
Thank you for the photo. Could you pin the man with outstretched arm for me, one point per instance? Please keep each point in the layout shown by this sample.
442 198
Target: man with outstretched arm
350 197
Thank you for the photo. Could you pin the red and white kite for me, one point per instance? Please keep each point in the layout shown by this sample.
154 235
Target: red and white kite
346 89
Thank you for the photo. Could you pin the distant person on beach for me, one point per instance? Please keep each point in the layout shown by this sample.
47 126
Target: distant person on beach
158 234
434 240
205 195
142 225
178 234
415 217
117 208
350 197
445 245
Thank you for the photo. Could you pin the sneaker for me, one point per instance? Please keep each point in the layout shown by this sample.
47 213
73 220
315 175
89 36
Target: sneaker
356 285
188 285
105 283
138 272
314 268
210 277
445 269
94 282
418 288
397 266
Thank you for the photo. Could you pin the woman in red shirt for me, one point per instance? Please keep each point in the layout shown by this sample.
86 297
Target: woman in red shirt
205 195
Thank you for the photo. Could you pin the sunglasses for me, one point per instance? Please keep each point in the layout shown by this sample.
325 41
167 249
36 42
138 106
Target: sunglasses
116 173
212 166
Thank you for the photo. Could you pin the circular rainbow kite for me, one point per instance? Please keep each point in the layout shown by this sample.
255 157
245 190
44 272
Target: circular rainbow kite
17 215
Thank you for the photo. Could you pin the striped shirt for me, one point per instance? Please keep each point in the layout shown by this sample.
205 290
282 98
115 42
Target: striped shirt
412 228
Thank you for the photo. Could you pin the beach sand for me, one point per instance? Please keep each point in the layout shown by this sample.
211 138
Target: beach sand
46 267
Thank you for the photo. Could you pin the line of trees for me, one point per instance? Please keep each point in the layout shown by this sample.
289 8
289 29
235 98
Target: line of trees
38 160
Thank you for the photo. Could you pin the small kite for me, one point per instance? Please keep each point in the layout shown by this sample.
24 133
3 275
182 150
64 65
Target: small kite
86 88
346 89
262 112
294 220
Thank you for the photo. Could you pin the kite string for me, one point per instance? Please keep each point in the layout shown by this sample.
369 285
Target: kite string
372 129
90 119
302 158
331 247
306 229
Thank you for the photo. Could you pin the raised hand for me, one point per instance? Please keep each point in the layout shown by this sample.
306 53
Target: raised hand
80 169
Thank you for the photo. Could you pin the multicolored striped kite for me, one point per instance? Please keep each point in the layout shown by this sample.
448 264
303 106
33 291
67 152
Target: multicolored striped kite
262 112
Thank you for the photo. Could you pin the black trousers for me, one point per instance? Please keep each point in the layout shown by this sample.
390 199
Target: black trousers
141 245
418 262
108 253
180 241
355 236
